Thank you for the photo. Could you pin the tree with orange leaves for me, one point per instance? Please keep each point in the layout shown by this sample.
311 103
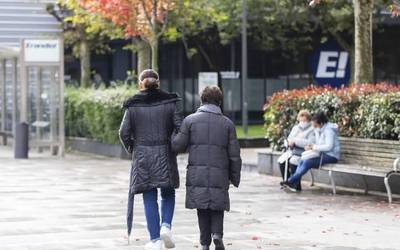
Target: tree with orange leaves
143 20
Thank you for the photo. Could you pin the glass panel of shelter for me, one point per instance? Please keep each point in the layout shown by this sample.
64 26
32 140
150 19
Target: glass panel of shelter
8 109
9 96
2 96
44 106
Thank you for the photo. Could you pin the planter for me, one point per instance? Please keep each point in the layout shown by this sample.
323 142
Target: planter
92 146
95 147
253 143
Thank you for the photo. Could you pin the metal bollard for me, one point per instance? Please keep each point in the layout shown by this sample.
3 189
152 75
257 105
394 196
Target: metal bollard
21 141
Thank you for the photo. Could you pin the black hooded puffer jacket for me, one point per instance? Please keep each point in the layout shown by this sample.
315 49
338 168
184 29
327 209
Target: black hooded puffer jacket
149 121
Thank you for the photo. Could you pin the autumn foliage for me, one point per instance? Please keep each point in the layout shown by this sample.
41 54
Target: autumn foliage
395 8
138 17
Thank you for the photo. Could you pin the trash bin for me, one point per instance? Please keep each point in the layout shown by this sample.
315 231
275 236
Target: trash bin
21 141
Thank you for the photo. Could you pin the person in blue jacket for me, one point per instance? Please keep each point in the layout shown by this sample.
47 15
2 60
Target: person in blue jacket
325 150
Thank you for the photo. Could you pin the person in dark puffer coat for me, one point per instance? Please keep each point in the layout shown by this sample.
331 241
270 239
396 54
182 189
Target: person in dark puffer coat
150 118
214 163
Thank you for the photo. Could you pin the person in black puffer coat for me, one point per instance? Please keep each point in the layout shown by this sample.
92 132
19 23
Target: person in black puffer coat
214 163
150 118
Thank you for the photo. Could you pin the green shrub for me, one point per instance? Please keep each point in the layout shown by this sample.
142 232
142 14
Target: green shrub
95 113
379 116
366 110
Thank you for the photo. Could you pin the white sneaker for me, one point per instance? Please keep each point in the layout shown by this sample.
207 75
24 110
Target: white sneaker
166 236
153 245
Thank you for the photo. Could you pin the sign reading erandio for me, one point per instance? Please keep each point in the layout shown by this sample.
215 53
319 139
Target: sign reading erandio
41 51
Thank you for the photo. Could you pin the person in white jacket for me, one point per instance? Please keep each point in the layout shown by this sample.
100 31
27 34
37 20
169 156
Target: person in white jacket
302 134
326 149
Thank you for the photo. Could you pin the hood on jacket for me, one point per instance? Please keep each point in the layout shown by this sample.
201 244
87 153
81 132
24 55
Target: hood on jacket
332 126
151 96
210 108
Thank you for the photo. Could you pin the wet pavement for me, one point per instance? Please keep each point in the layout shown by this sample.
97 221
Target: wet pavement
80 203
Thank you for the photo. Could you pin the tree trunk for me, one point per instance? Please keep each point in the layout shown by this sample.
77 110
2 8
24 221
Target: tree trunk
363 71
84 58
134 58
352 65
154 54
143 54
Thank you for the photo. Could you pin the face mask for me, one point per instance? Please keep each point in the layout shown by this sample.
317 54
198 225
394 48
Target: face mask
303 125
318 130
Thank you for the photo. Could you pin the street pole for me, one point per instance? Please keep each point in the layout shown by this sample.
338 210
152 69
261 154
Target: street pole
244 68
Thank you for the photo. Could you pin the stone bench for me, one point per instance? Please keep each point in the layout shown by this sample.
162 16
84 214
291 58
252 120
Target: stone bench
359 168
267 163
367 157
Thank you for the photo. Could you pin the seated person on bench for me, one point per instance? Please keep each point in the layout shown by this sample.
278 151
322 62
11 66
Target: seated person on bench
302 134
325 150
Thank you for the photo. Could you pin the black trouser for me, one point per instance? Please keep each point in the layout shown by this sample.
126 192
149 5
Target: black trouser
291 170
210 222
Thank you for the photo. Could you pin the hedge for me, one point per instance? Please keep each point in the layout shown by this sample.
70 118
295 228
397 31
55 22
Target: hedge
95 113
362 110
367 111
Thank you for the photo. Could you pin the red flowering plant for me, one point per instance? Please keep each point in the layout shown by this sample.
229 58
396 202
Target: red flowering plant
343 106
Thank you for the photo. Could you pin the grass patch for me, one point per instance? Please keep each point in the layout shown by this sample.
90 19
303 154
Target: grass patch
255 131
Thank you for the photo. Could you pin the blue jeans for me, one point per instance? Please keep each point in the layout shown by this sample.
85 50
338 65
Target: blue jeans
150 199
306 165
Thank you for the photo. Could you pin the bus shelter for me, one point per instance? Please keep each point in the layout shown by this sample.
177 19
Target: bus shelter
32 92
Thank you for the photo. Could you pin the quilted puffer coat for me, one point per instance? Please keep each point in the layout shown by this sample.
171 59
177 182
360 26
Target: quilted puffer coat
149 121
214 158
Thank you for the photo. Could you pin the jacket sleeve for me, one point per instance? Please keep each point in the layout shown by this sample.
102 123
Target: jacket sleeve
125 132
235 161
178 117
329 142
180 138
302 142
293 133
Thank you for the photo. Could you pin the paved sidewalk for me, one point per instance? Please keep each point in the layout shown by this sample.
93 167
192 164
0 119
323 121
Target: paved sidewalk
79 203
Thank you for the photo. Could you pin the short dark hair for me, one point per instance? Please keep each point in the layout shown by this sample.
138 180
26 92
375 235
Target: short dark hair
212 95
320 118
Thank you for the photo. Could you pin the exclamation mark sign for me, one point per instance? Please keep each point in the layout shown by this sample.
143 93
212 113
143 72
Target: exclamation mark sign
343 59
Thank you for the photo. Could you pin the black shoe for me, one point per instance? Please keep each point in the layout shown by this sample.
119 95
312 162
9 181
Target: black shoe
283 184
298 187
204 247
219 244
289 186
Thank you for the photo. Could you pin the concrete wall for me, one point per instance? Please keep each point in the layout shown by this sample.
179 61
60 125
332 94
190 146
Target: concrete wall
268 164
94 147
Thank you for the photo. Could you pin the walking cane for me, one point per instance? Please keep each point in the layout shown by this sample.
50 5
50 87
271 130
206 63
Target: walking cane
286 145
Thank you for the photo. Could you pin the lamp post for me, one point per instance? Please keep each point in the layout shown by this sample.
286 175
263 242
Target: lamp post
244 68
